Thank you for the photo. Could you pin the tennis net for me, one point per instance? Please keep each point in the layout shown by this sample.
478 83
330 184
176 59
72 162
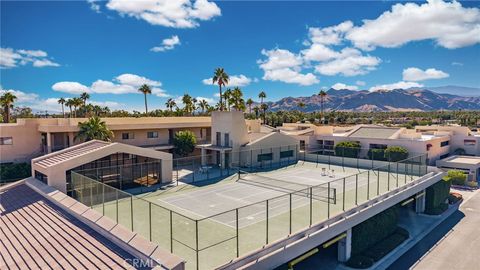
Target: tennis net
320 192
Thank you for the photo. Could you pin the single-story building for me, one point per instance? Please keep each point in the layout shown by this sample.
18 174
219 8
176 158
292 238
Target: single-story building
468 164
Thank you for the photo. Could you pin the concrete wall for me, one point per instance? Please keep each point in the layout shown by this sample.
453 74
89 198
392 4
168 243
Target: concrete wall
26 141
273 143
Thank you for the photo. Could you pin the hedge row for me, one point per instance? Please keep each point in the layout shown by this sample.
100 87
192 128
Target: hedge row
347 149
457 177
374 229
391 153
436 197
14 171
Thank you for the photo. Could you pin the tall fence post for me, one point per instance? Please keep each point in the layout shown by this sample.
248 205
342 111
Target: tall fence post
266 223
368 185
356 189
290 195
196 244
103 199
131 210
150 220
378 181
238 241
388 177
311 206
171 231
328 200
343 208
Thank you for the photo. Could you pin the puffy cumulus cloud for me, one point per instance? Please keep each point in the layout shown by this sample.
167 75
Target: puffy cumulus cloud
397 85
235 80
318 52
341 86
123 84
416 74
22 97
447 23
332 35
70 87
10 58
349 62
167 44
285 66
177 14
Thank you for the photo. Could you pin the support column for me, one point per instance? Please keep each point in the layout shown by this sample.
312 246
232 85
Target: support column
222 159
345 247
71 136
204 156
420 202
49 142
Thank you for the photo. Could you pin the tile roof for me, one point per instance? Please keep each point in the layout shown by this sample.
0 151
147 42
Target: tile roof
71 153
36 234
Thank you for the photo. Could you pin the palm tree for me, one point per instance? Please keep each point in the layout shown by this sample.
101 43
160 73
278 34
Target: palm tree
250 103
62 102
221 78
322 95
77 103
236 98
188 102
6 101
226 97
93 129
84 96
301 105
203 104
170 104
264 108
262 95
69 104
145 89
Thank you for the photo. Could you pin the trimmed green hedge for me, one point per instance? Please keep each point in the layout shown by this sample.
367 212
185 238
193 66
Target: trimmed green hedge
396 153
457 177
374 229
436 195
14 171
347 149
376 154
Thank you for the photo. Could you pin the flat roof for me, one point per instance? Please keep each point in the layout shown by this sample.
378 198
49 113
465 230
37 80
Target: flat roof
37 234
374 132
471 160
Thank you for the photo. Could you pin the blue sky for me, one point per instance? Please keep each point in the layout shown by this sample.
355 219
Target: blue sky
60 48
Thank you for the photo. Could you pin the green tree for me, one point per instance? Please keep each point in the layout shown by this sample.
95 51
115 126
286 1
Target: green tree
93 129
62 102
170 104
203 104
77 103
396 153
6 101
145 89
189 104
236 99
323 96
301 105
227 98
69 104
264 108
221 78
250 103
349 149
184 143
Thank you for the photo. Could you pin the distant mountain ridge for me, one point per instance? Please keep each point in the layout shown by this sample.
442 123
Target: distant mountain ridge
380 100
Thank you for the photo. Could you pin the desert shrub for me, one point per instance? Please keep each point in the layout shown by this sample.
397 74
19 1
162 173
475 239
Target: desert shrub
360 262
376 154
374 229
347 149
436 195
457 177
396 153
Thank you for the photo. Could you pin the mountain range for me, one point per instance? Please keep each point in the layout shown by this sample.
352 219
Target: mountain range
414 99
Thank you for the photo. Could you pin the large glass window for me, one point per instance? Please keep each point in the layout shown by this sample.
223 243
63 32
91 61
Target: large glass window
128 136
6 141
286 154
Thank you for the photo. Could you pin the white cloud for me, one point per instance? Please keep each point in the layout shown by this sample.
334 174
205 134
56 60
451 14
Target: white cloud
123 84
332 35
210 101
94 5
22 97
70 87
341 86
350 62
234 80
458 64
447 23
397 85
177 14
167 44
360 83
10 58
318 52
416 74
285 66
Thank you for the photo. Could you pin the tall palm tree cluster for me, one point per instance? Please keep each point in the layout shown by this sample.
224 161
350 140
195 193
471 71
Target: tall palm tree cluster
79 107
6 101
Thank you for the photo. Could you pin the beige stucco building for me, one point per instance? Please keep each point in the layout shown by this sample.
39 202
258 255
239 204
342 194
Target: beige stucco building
30 138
